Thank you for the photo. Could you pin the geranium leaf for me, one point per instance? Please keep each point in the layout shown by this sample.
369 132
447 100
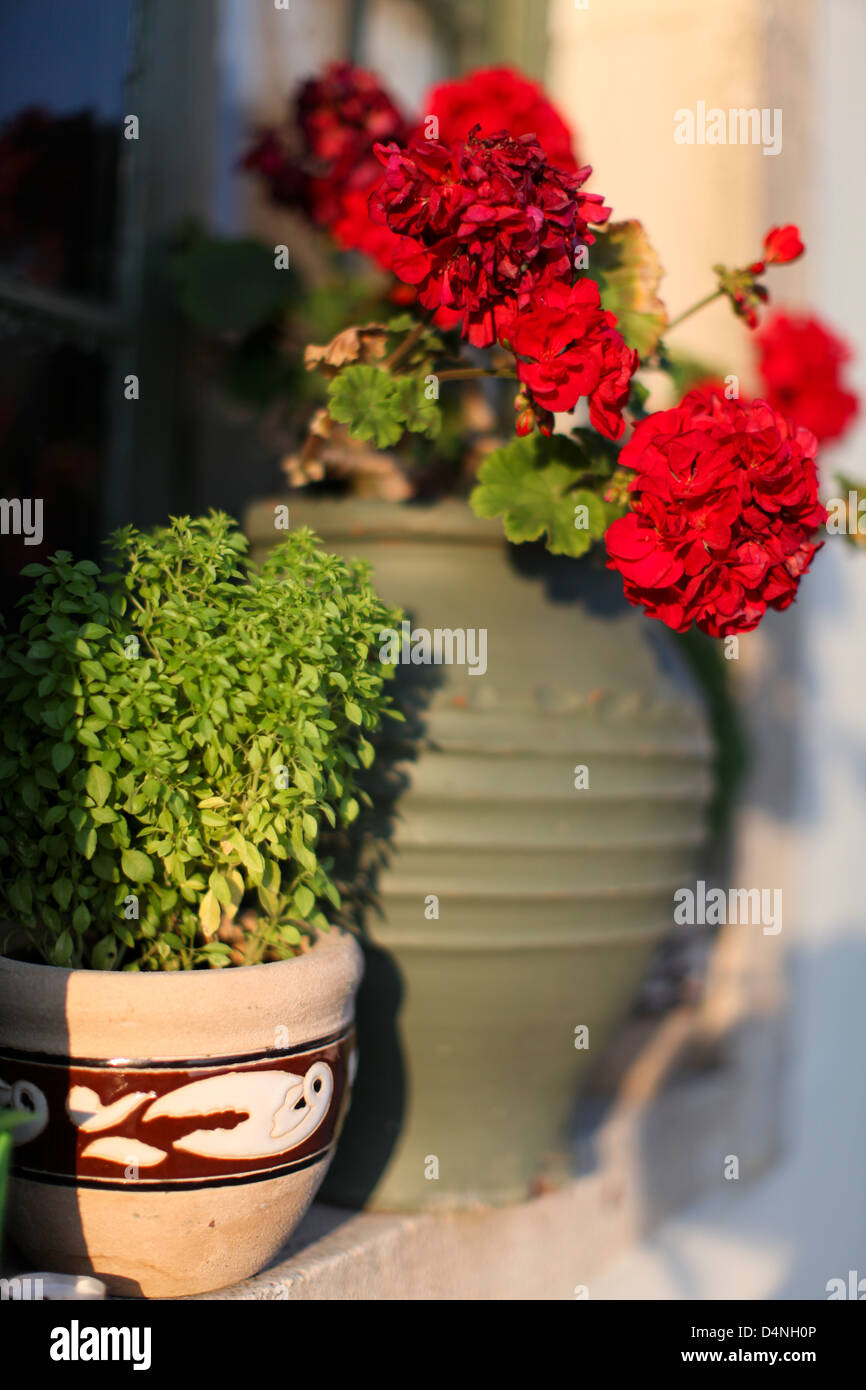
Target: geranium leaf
363 398
626 269
529 483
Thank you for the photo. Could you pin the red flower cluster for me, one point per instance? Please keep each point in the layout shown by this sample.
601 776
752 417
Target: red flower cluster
486 225
499 99
574 350
724 511
800 364
341 116
286 180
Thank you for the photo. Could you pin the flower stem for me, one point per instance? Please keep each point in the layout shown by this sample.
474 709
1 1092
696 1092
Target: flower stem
405 346
701 304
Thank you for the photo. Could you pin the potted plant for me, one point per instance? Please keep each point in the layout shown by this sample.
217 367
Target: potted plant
548 792
176 1014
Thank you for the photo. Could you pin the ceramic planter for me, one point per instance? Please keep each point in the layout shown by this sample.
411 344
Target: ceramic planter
514 906
182 1122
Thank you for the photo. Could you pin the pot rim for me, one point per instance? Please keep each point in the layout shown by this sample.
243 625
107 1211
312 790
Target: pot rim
11 965
108 1014
448 519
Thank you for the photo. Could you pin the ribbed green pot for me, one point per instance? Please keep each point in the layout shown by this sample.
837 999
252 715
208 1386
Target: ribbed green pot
550 898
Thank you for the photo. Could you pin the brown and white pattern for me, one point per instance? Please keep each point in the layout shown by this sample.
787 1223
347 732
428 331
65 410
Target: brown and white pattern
167 1125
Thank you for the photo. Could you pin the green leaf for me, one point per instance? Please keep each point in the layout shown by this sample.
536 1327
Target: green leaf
589 513
104 954
210 913
30 794
418 413
104 867
136 866
269 900
529 482
304 900
81 918
124 932
220 888
86 841
627 271
63 948
61 756
304 781
62 890
353 713
98 784
364 399
250 858
20 895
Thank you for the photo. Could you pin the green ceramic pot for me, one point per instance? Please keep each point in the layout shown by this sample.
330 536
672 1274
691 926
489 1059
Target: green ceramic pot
550 895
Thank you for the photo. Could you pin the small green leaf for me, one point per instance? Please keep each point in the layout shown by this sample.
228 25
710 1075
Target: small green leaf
304 781
304 900
104 954
86 841
219 886
81 918
62 891
136 866
98 784
209 913
63 947
61 756
251 859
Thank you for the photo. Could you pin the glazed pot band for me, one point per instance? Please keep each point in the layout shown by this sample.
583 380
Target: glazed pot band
163 1125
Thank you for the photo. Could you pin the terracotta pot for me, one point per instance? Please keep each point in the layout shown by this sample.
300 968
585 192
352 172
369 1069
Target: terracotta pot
514 907
182 1122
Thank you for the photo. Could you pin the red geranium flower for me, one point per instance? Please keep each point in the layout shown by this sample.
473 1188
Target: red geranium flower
800 363
574 350
782 244
340 115
724 511
486 224
353 230
497 99
286 180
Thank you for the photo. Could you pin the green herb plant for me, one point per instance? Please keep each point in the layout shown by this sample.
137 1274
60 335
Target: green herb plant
176 731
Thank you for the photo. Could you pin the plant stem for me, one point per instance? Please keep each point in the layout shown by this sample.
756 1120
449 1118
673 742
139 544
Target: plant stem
701 304
405 346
